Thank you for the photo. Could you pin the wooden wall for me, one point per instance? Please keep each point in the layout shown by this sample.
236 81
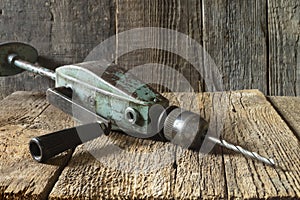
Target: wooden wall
63 31
255 43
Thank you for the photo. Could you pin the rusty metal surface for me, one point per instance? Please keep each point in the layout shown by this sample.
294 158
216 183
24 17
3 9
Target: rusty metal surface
62 99
111 93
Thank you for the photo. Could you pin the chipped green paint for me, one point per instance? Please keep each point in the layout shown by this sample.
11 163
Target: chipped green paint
109 92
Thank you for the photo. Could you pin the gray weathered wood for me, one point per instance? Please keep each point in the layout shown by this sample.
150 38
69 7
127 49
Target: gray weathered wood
62 31
235 36
179 15
133 171
251 122
245 117
25 115
284 47
28 22
200 175
289 108
254 124
254 44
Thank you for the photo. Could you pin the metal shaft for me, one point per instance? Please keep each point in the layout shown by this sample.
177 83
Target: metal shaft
14 60
243 151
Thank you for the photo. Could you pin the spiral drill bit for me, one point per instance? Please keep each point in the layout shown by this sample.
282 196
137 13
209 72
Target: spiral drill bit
116 99
188 129
243 151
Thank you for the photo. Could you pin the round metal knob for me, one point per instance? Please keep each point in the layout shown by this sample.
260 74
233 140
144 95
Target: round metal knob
20 51
185 128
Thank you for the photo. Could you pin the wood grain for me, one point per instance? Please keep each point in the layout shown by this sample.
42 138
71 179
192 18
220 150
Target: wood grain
200 174
289 109
125 167
178 15
27 22
235 36
253 123
118 166
254 44
24 115
284 47
63 32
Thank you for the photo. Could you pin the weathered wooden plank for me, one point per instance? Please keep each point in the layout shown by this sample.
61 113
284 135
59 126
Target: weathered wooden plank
253 123
27 21
23 116
289 109
123 167
78 26
284 43
178 15
250 122
135 168
235 36
63 32
245 117
199 174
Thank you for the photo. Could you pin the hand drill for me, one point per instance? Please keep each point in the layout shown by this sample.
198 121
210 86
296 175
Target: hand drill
104 97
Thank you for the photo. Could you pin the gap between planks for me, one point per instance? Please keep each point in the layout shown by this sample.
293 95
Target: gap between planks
215 180
25 115
221 174
289 110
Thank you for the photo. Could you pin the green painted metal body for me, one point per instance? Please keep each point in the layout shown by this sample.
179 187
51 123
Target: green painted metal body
107 90
111 93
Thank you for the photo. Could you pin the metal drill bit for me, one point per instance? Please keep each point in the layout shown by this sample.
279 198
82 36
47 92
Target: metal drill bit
243 151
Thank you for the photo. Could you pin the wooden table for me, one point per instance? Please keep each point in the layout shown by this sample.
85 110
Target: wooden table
129 168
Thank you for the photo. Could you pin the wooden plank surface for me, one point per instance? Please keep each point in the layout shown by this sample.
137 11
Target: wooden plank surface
62 31
124 168
235 36
289 108
27 22
24 115
119 166
178 15
201 174
254 44
253 123
245 117
284 45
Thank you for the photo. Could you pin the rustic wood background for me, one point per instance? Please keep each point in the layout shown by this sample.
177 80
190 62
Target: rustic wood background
133 168
255 44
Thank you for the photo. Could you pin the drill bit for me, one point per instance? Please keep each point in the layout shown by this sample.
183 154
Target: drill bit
243 151
186 129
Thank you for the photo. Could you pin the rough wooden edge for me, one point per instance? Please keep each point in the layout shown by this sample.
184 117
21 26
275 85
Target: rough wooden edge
22 114
289 110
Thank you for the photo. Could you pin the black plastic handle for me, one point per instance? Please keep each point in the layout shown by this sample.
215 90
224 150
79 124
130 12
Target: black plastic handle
47 146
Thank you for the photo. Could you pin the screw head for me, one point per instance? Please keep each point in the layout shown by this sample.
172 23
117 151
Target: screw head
131 115
91 101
